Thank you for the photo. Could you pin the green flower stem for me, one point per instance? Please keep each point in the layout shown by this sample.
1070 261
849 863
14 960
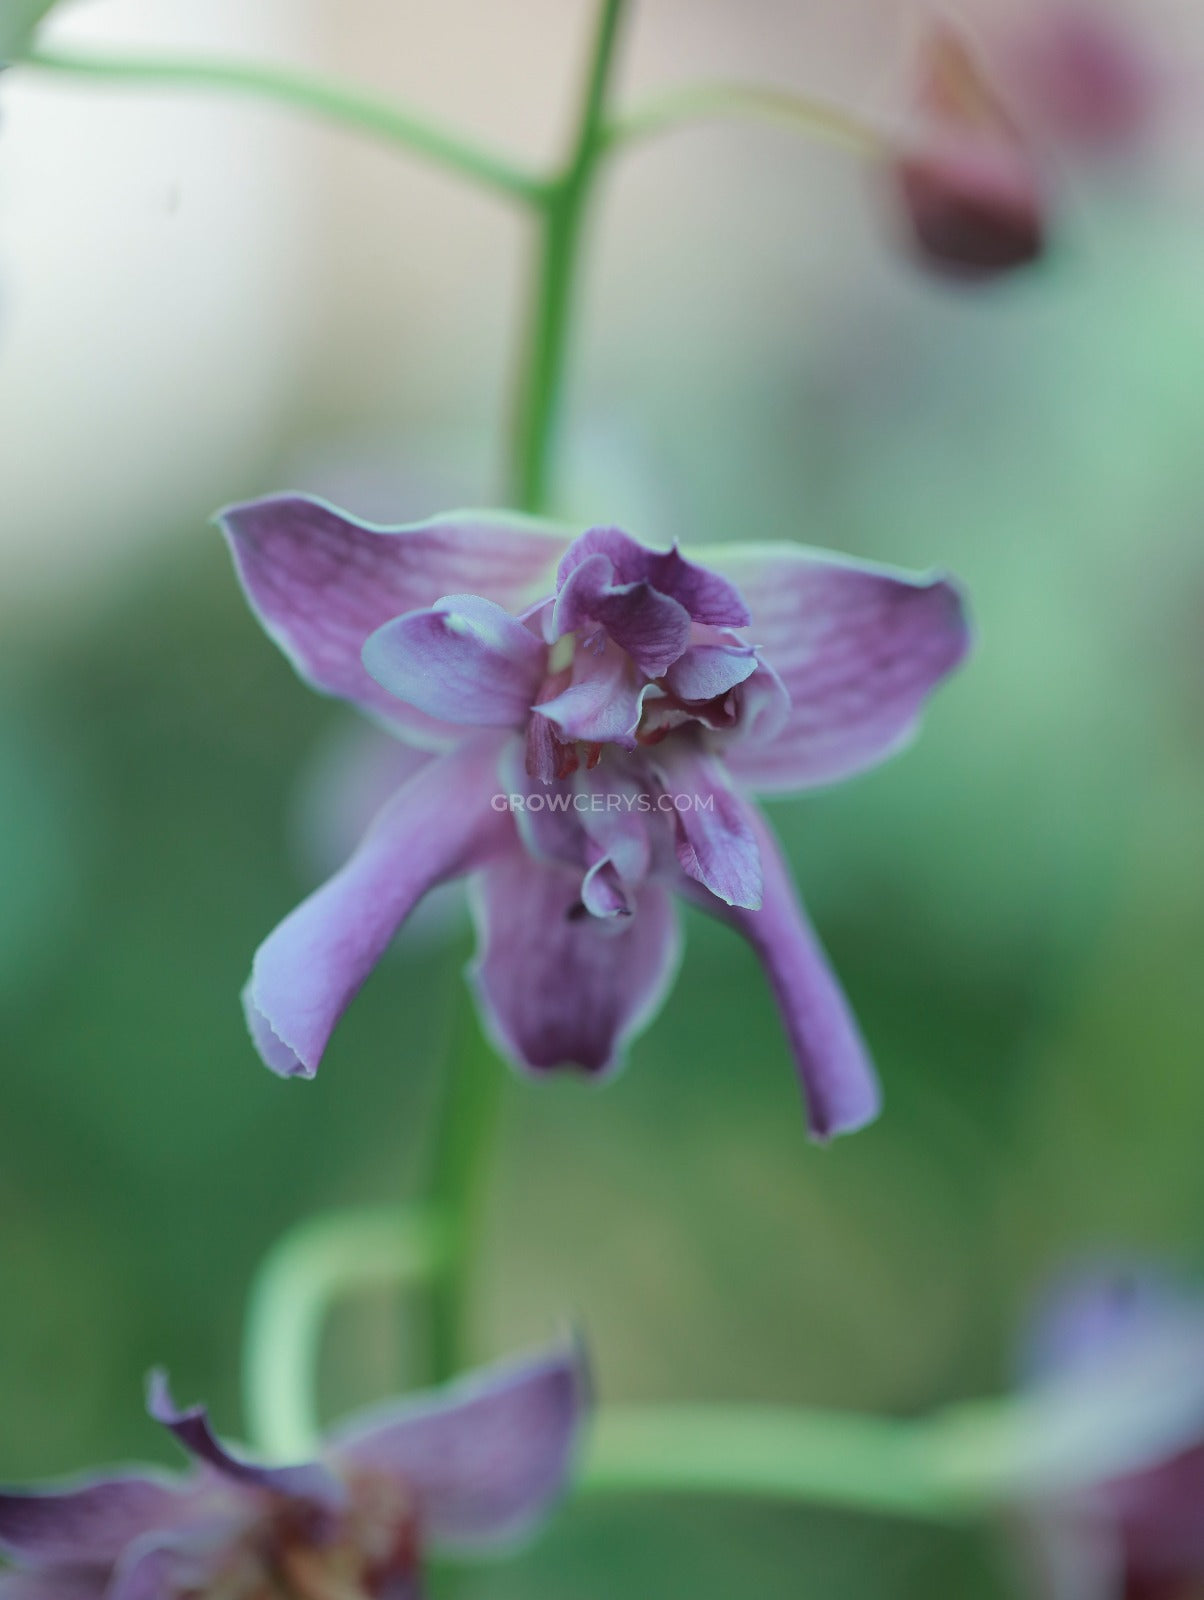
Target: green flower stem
860 1463
476 1081
701 101
565 202
379 118
292 1291
461 1169
965 1461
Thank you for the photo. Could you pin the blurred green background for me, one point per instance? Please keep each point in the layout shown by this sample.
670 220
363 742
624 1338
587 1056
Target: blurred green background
1014 905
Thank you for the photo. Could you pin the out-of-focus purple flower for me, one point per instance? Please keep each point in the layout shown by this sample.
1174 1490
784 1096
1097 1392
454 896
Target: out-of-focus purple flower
1086 77
969 187
594 705
1138 1535
468 1467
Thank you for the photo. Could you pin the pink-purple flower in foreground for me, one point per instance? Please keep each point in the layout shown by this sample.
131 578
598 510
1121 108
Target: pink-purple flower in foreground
1136 1534
593 710
465 1468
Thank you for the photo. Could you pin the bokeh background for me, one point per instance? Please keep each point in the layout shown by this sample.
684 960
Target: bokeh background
202 299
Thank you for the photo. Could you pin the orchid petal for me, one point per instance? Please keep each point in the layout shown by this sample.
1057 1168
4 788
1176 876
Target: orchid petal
307 972
310 1481
322 583
650 626
89 1521
484 1457
464 660
837 1079
716 844
708 597
602 703
602 891
859 649
559 986
706 671
56 1583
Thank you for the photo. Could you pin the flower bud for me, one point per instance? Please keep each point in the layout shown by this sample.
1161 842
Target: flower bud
968 183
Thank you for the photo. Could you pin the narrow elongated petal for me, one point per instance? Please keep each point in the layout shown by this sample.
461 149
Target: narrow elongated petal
322 582
706 595
486 1456
716 844
559 986
90 1521
309 1482
308 971
837 1078
859 649
464 660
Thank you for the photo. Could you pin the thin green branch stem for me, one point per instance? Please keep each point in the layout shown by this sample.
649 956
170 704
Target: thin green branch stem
553 285
701 101
461 1170
311 1266
351 108
1100 1424
862 1463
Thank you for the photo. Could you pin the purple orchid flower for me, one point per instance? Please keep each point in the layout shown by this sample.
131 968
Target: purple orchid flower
466 1468
1139 1534
592 708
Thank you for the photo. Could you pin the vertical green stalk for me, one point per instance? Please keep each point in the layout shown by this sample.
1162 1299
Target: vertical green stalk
541 382
458 1183
473 1093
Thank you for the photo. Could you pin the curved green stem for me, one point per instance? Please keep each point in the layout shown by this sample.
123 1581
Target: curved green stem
818 1458
379 118
696 102
1097 1425
289 1299
541 383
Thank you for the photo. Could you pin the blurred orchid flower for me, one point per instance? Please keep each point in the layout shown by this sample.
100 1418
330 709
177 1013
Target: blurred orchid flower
1136 1533
474 1465
590 702
969 187
1087 77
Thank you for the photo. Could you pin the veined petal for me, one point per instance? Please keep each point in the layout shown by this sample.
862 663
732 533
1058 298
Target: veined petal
89 1521
706 671
716 844
322 582
310 1481
859 649
465 660
486 1456
651 627
706 595
559 986
307 972
837 1078
602 703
